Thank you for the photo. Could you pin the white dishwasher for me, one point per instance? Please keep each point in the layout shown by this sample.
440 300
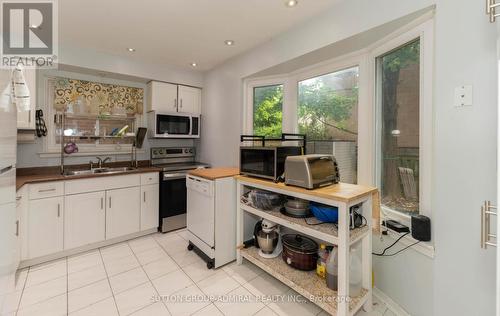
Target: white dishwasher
211 219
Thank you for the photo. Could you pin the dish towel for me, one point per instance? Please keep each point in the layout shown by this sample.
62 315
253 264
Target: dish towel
20 91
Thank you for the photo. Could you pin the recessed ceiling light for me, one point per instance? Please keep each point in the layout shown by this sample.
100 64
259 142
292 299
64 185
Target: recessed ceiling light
194 64
130 49
229 42
291 3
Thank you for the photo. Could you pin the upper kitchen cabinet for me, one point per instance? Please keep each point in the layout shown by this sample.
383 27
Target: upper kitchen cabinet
189 100
166 97
26 119
162 97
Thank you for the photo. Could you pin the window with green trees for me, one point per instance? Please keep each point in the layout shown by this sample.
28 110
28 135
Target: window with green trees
399 97
268 110
328 106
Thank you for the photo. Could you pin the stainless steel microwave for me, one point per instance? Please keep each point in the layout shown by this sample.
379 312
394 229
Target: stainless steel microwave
173 125
266 162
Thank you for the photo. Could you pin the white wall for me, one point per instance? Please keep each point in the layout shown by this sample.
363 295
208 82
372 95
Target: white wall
464 54
465 140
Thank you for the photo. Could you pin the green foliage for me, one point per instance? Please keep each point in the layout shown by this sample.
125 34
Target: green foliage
402 57
268 111
322 108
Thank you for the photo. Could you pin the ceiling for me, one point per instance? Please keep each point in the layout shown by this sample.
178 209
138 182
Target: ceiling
179 32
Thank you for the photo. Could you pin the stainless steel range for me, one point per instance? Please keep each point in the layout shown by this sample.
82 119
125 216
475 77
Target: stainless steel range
176 162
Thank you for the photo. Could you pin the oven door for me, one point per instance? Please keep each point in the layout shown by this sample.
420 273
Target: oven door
258 161
169 125
173 197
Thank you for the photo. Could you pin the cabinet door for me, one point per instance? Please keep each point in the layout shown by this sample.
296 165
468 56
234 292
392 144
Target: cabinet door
123 212
84 219
22 205
150 206
45 226
26 119
162 97
189 100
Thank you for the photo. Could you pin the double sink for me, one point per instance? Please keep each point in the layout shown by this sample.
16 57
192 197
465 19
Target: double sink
98 171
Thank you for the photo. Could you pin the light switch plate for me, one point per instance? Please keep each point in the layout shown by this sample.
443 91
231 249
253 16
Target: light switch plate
463 96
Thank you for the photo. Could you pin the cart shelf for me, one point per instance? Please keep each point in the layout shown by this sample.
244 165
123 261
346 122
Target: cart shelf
306 283
327 232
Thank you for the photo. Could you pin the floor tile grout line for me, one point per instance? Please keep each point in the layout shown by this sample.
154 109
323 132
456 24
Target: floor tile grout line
109 283
44 300
194 283
151 282
22 291
67 287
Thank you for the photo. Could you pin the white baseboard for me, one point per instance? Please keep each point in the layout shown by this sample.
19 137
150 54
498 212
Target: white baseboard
393 306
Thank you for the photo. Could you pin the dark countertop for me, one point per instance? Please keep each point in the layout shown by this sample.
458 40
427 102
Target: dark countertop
46 174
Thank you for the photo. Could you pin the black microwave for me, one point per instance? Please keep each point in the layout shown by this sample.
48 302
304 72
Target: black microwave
173 125
266 161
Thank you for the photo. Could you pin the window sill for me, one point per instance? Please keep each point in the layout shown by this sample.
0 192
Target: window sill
425 248
89 153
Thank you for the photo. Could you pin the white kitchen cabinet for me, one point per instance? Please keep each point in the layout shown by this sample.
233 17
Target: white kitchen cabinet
45 226
26 119
21 227
84 219
123 212
161 97
166 97
189 100
150 204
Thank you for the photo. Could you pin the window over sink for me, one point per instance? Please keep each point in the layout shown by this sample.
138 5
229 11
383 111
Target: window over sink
95 113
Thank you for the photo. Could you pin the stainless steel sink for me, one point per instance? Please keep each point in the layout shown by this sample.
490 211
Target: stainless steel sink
97 171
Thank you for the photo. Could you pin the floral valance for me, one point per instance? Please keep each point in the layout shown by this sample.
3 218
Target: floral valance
97 98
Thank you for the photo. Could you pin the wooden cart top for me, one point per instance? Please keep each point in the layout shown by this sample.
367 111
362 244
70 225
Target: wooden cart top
343 192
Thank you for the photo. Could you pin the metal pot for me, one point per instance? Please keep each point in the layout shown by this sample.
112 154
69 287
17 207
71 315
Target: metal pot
267 241
299 252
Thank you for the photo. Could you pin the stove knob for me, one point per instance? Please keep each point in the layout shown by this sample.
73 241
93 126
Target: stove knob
186 150
155 152
191 151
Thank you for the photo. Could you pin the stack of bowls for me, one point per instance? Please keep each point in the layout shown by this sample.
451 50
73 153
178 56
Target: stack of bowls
297 207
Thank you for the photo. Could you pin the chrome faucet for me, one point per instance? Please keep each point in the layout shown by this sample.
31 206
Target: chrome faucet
101 161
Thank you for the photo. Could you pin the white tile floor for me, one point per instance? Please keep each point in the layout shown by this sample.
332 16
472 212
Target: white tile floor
129 278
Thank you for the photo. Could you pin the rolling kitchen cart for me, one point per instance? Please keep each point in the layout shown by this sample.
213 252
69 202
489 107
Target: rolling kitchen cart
307 283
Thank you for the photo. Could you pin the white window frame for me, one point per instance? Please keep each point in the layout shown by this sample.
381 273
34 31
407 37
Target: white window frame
357 59
423 31
249 85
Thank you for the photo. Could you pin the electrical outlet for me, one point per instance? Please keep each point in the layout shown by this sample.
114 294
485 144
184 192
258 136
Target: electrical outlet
463 96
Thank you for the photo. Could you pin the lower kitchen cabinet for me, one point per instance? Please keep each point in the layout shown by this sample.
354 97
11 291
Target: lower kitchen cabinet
84 219
123 212
150 200
45 226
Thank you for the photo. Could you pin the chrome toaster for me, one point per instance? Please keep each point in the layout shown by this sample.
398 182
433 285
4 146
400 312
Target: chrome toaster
311 171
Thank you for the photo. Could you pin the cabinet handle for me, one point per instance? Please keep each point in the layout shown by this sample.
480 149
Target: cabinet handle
110 202
46 190
58 210
17 228
144 196
486 235
102 203
29 116
181 103
175 103
18 198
